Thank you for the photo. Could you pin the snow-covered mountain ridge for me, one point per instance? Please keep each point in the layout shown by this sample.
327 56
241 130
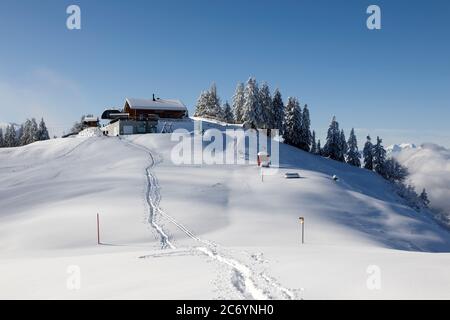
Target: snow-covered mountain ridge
394 149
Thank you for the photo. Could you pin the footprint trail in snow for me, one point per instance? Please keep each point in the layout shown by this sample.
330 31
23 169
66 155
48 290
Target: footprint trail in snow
246 281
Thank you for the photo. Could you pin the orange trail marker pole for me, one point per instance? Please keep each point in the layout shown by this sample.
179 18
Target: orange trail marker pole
302 222
98 228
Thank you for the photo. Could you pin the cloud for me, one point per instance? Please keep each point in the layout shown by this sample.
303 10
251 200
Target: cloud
395 136
42 93
429 167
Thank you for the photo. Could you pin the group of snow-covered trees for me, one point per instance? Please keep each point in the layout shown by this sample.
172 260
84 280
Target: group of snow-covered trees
375 159
28 132
79 126
296 127
252 105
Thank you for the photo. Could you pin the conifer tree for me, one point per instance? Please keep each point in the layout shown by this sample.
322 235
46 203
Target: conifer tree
252 109
227 113
43 131
292 119
2 141
27 135
379 157
332 148
343 146
34 130
200 109
353 156
238 103
424 198
368 154
313 143
10 137
305 130
277 111
265 120
394 171
213 109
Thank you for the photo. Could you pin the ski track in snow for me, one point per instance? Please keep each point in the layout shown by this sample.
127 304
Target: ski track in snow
244 276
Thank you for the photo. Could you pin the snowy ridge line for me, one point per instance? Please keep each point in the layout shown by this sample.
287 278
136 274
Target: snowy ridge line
62 156
245 274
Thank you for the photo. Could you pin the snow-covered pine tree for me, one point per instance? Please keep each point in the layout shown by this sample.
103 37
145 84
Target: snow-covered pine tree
265 101
30 132
213 109
2 142
394 171
27 135
227 113
252 109
313 143
34 130
368 154
319 148
238 103
277 111
10 137
332 148
19 135
379 158
43 131
292 122
353 156
305 130
408 192
220 114
200 108
78 126
343 146
424 198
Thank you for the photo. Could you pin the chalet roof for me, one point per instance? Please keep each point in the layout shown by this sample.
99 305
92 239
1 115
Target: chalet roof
90 119
157 104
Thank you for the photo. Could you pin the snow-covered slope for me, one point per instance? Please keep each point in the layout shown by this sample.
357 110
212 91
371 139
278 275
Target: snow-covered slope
205 231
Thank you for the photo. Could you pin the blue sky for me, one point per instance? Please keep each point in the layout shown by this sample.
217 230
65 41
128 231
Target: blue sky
393 82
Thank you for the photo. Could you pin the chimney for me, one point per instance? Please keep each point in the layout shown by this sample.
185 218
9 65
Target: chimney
154 97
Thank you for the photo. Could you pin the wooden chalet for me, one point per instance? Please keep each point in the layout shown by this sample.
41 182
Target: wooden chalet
141 109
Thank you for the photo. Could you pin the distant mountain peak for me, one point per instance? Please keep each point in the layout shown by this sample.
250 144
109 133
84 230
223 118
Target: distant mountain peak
396 148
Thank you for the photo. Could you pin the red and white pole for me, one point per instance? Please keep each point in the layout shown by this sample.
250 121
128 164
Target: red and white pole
98 228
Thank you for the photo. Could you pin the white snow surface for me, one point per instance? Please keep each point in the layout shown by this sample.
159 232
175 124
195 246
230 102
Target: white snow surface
205 231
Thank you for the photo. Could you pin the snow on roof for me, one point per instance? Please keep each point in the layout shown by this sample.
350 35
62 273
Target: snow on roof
90 119
157 104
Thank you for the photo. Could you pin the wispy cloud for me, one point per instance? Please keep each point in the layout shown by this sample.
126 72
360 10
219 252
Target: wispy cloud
42 93
429 168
